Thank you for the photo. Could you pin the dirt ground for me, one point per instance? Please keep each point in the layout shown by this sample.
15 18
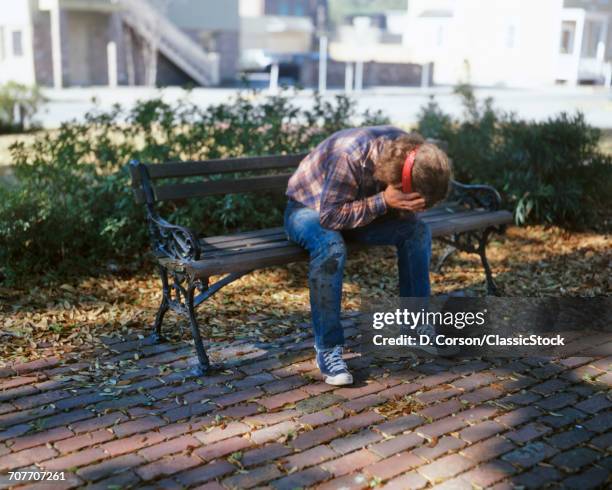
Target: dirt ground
531 261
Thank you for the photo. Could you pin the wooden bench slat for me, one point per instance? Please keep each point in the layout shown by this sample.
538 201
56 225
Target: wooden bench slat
246 262
170 192
458 214
447 208
270 235
470 222
281 251
251 242
242 235
229 253
194 168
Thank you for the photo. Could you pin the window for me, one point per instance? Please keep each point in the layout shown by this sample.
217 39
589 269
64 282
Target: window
568 28
299 9
17 44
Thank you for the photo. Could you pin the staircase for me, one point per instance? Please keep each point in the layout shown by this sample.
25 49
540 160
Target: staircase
169 40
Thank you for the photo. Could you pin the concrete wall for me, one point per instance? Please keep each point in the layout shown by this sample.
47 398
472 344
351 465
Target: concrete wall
16 18
510 42
506 42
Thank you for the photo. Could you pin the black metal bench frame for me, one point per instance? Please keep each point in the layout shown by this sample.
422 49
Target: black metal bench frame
186 261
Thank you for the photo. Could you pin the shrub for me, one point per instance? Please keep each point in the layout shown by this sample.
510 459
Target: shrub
72 209
549 172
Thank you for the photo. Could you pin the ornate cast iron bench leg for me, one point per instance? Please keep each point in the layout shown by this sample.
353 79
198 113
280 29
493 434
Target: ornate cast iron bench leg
204 362
476 243
178 246
477 197
448 251
163 307
482 252
183 302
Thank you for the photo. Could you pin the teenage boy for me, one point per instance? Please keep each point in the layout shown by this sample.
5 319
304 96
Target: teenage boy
364 185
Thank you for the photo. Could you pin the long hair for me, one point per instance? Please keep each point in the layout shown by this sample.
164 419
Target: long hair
431 173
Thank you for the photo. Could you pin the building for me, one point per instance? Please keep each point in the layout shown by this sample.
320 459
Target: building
367 50
66 43
511 42
371 38
278 30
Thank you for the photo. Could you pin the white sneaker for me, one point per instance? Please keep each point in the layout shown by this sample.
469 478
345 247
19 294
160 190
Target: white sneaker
332 366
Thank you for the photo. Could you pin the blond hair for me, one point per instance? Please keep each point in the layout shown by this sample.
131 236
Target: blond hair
431 173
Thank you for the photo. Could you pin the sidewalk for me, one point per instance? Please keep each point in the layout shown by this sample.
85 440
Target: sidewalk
401 104
133 416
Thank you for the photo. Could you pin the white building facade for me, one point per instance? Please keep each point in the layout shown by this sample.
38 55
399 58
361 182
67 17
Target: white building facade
511 42
63 43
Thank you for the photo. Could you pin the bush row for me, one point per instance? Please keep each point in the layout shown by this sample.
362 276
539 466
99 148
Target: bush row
72 209
550 172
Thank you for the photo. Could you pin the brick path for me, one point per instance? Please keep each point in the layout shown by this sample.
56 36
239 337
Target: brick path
134 417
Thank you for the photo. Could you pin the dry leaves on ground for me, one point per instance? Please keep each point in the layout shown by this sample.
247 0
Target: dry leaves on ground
264 305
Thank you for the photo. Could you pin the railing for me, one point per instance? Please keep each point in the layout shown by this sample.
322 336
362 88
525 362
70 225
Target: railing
172 42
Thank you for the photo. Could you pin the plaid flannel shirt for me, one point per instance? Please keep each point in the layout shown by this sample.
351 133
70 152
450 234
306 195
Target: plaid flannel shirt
337 178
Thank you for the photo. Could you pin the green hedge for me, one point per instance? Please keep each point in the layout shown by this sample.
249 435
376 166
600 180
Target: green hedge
72 210
550 172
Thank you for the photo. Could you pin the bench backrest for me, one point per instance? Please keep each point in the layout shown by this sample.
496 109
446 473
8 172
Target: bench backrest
222 183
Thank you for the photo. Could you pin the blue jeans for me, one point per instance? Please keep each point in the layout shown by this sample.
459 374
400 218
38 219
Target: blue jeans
327 249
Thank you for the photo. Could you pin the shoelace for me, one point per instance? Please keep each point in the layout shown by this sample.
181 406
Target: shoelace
333 359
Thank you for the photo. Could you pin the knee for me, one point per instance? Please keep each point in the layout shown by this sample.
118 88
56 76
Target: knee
329 255
416 232
423 233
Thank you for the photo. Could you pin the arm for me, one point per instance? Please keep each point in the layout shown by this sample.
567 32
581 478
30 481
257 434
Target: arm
340 209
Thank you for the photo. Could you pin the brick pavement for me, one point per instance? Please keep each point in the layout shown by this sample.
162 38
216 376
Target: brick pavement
134 416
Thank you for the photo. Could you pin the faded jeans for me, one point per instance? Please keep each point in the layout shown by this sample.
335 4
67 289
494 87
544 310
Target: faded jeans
327 250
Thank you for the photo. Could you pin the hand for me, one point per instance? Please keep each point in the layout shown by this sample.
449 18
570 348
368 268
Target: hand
396 199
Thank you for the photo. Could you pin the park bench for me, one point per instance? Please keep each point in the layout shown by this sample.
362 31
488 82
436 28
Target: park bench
187 260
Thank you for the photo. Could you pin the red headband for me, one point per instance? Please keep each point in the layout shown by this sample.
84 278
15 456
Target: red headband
407 171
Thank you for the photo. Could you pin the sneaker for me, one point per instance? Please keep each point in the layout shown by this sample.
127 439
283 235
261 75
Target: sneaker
432 348
333 367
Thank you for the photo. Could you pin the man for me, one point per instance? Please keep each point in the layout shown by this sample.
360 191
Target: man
363 185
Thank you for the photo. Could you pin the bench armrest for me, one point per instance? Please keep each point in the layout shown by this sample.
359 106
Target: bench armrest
172 241
475 196
168 241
